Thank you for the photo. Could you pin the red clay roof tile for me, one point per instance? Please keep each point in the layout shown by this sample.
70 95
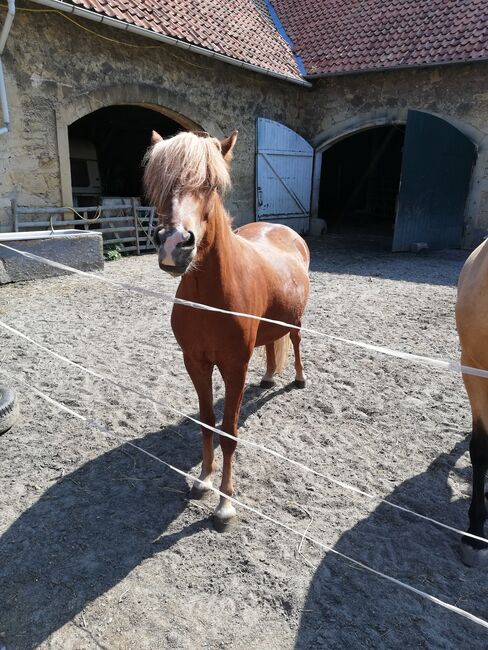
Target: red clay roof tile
330 36
337 36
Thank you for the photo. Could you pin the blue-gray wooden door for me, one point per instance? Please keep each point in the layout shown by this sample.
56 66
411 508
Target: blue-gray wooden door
436 173
284 166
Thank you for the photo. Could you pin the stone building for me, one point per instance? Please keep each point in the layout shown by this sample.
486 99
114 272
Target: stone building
371 115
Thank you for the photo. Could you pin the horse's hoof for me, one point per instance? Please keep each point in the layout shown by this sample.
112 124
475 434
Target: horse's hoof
474 557
299 383
267 383
224 525
197 494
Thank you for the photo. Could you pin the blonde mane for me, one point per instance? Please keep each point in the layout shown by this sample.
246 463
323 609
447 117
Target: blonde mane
185 162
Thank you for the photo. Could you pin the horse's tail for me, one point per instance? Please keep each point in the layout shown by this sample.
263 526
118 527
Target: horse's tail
281 350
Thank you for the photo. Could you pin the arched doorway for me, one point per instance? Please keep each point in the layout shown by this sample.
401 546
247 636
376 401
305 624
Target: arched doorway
106 151
409 184
359 182
158 100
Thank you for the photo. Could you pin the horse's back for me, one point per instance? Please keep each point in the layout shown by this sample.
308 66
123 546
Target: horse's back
472 300
267 237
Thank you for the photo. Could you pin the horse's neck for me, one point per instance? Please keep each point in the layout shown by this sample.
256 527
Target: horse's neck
219 242
215 276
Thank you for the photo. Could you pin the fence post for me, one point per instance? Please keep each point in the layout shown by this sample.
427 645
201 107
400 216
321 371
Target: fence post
150 229
13 203
136 224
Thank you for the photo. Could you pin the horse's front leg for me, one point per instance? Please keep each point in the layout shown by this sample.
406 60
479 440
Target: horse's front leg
201 375
234 379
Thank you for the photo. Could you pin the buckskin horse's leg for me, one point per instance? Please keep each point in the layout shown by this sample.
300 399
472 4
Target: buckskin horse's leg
296 337
201 375
234 379
475 552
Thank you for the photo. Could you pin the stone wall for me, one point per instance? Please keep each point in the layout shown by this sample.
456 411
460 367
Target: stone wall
57 72
339 106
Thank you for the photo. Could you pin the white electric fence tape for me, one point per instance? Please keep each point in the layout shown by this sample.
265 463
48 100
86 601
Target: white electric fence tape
272 520
443 364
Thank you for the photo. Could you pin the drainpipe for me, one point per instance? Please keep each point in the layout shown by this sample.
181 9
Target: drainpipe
3 90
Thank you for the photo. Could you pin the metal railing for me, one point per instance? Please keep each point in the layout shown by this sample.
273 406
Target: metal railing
129 227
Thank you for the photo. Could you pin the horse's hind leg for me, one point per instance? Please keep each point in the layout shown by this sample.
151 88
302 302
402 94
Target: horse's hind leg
268 381
475 552
201 376
300 379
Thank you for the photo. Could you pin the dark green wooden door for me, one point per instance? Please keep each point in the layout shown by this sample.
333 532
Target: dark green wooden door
436 172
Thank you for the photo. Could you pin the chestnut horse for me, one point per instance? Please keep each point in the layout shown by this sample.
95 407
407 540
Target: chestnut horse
472 325
259 269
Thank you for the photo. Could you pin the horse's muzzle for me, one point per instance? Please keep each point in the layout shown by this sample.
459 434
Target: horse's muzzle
175 249
175 271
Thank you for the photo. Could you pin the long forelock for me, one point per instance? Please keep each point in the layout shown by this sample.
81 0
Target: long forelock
184 163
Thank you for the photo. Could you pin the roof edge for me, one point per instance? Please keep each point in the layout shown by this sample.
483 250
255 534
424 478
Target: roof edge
404 66
284 35
169 40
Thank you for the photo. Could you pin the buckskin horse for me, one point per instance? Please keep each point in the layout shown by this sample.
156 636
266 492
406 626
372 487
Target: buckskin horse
259 269
472 325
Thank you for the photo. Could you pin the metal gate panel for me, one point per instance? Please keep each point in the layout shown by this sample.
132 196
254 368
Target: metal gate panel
436 173
284 166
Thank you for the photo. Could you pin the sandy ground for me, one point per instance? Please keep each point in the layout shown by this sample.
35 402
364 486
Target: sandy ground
99 545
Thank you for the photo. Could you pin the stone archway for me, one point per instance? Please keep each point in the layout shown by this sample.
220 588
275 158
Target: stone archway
162 100
107 148
330 137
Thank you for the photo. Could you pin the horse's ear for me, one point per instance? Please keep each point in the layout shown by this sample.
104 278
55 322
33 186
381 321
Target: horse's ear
228 144
155 137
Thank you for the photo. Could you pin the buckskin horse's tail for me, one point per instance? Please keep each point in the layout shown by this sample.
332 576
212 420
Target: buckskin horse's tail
281 350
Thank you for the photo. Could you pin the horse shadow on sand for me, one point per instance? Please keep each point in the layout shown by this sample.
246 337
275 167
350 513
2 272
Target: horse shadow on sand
349 608
94 526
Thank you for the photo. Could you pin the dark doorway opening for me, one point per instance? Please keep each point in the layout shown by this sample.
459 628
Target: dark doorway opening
359 182
107 148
